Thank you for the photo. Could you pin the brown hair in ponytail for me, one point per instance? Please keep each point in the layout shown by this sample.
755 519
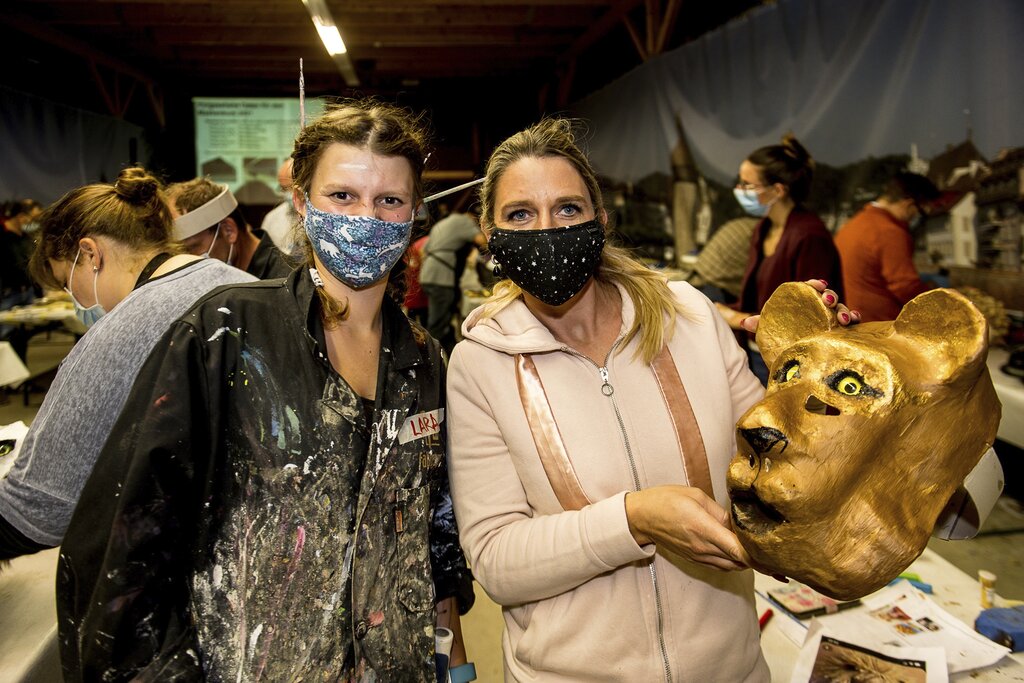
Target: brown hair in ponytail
381 128
131 211
789 164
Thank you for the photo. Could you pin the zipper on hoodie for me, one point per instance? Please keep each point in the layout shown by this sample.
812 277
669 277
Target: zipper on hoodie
608 390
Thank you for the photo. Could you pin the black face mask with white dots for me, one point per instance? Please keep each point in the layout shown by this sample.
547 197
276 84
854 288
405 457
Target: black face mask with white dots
551 264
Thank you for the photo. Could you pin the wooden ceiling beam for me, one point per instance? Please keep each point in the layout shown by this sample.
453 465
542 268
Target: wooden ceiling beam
95 58
600 28
257 37
383 6
668 23
411 69
652 14
65 13
634 35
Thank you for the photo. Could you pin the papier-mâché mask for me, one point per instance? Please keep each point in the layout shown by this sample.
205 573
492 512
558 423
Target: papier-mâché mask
862 437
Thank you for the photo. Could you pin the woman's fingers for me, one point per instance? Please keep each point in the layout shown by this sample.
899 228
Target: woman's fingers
847 316
830 298
819 285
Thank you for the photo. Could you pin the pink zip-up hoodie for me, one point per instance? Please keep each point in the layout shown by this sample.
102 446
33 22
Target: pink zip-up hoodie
581 600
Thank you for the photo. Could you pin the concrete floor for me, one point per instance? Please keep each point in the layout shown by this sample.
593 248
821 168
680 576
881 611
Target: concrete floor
999 548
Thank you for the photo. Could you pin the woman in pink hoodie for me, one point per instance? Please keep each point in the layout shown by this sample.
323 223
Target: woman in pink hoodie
591 411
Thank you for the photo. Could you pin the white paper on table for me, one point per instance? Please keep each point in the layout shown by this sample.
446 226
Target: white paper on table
902 616
791 627
825 657
16 431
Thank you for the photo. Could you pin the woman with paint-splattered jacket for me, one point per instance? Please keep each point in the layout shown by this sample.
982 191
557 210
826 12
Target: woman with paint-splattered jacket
264 509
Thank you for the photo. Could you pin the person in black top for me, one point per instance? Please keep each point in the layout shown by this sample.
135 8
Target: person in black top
273 501
16 286
210 223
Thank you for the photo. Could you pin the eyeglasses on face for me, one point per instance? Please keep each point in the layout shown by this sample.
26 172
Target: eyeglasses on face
742 185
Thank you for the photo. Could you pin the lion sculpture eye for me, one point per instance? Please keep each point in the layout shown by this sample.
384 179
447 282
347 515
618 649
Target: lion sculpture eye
849 386
791 370
851 383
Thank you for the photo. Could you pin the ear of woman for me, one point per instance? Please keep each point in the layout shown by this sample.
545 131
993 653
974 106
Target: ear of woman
91 249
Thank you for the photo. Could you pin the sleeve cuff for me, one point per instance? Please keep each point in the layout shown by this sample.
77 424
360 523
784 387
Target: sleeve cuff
606 534
460 588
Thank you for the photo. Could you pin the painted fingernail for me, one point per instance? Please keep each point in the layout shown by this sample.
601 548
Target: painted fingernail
829 299
844 317
855 314
824 282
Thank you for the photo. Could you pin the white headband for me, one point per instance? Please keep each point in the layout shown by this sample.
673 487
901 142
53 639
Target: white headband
206 216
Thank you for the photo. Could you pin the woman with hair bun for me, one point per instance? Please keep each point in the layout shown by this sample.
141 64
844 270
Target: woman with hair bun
791 243
110 247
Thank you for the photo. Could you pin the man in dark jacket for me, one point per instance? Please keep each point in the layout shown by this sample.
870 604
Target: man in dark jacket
209 222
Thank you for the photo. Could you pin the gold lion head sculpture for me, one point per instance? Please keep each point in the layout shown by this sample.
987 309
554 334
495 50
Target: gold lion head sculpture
863 435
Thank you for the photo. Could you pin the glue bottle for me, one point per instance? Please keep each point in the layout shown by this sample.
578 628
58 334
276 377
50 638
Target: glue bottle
988 588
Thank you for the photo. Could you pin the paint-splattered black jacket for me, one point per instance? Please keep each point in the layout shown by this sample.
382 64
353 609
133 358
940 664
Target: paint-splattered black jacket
246 522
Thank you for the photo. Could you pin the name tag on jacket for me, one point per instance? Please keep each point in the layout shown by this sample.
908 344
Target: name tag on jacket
421 425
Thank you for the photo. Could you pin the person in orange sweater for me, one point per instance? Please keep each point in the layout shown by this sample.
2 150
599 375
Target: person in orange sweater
877 249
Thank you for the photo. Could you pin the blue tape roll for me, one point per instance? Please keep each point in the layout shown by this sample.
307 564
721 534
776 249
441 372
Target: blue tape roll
1003 625
462 673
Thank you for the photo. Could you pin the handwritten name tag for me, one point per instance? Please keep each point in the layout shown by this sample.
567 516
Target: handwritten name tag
421 425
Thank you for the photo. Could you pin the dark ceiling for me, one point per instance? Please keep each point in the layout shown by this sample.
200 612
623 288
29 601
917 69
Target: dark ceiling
486 65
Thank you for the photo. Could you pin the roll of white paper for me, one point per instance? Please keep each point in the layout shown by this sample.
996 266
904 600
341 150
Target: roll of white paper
443 639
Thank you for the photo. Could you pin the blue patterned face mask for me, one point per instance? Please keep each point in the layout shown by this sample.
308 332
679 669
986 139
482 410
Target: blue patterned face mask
358 250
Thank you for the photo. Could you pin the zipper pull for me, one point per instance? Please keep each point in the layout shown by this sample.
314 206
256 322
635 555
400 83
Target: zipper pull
606 388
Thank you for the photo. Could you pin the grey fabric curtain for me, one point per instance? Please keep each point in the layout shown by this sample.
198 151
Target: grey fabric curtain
851 79
50 148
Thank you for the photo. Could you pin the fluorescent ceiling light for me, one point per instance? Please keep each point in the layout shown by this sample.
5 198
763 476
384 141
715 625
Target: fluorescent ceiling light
330 36
331 39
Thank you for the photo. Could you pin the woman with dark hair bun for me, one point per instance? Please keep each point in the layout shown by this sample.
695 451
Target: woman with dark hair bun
110 248
791 243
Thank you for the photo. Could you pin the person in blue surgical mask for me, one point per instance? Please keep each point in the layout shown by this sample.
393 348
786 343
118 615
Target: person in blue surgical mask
790 243
273 502
592 417
110 247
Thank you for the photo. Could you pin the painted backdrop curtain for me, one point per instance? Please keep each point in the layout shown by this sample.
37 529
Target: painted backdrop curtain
850 79
50 148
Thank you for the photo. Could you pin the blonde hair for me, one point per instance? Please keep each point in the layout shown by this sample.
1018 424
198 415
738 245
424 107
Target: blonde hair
656 307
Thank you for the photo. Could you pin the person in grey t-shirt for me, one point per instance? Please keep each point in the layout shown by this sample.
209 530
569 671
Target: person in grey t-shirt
444 256
110 248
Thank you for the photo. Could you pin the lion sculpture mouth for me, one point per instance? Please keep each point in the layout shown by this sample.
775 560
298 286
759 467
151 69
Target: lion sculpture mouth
753 515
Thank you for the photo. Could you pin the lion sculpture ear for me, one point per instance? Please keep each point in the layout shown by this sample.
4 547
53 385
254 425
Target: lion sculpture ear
794 311
952 331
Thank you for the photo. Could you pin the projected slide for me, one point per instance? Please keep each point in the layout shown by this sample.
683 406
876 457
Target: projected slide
241 141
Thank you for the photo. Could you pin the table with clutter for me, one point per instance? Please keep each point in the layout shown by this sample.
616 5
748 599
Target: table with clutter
28 619
28 609
952 590
44 312
1010 390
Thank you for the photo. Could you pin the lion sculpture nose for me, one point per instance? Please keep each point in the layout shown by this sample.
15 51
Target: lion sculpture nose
763 439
